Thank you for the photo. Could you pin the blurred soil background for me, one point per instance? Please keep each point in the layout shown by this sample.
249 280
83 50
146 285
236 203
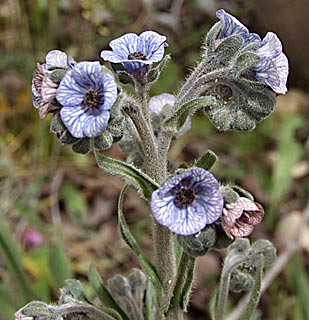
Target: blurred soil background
58 209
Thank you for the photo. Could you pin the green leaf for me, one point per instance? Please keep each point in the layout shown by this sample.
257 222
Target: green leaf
154 73
59 265
150 302
179 117
299 279
12 258
7 302
289 153
207 160
74 201
102 292
76 289
145 185
147 266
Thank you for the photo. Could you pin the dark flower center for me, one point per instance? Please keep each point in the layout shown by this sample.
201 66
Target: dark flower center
92 98
184 196
137 55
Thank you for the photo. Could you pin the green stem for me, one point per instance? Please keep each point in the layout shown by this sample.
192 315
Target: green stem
183 286
255 293
228 268
143 93
156 166
92 312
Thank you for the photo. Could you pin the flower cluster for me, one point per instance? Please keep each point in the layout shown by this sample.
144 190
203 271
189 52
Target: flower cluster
273 67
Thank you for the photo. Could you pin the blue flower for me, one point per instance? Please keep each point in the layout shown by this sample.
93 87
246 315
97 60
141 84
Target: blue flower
163 105
273 67
187 202
136 53
86 94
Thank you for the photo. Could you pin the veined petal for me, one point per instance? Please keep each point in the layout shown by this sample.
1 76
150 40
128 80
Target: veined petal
108 55
56 58
231 25
152 45
124 45
95 125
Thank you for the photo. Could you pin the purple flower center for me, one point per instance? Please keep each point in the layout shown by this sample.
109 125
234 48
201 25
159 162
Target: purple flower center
92 98
137 56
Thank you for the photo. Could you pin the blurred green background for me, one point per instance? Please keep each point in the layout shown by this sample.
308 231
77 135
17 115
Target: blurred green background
58 210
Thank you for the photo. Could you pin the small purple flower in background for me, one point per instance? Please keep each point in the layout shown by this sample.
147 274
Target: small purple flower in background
32 238
187 202
86 94
43 86
273 67
136 53
165 100
240 217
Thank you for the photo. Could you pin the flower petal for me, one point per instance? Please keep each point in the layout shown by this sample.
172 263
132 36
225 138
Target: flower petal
124 45
56 58
152 45
231 25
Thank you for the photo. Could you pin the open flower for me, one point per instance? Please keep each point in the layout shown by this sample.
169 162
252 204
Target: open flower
163 105
86 94
136 53
240 217
187 202
273 67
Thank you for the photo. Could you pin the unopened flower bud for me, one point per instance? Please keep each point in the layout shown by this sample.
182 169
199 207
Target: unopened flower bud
198 244
241 281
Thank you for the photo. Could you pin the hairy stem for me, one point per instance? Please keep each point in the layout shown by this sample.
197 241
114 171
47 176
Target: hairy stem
228 268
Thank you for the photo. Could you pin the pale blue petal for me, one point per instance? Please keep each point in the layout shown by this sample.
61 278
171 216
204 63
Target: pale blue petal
108 55
95 125
152 45
156 103
124 45
231 25
56 58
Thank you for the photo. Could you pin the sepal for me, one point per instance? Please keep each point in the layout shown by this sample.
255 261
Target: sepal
154 73
207 160
198 244
123 76
180 115
212 35
226 50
